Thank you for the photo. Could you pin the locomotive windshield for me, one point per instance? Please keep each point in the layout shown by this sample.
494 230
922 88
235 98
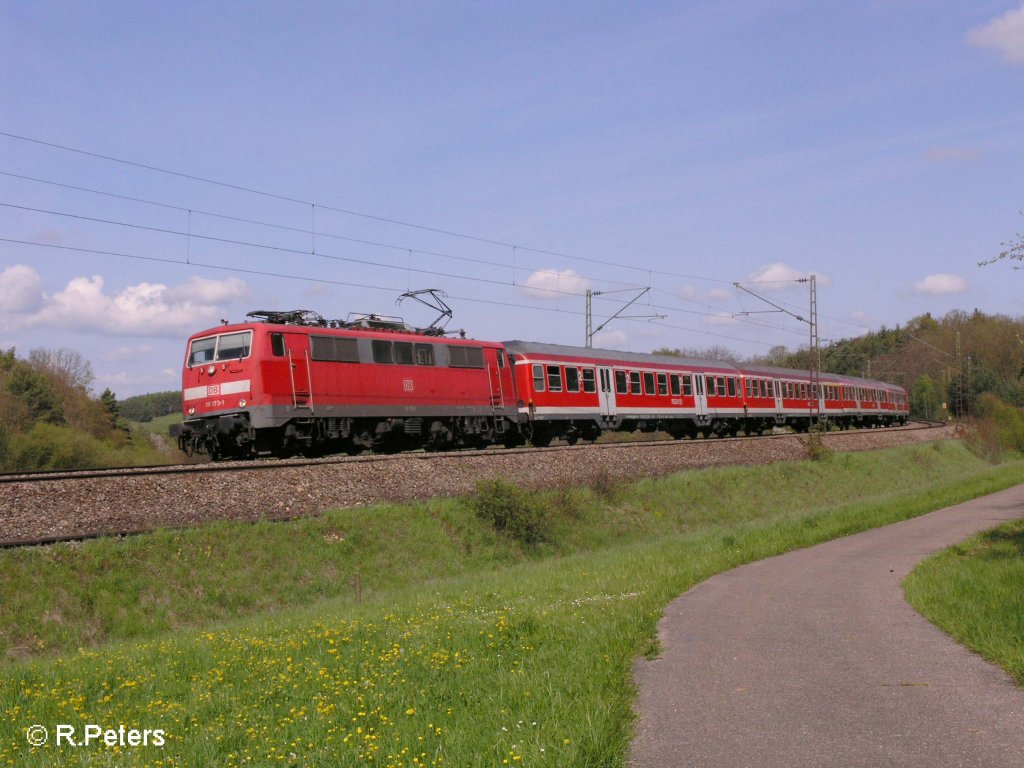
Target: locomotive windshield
227 346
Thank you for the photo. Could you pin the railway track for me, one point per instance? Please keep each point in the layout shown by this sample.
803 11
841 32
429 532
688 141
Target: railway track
259 465
52 507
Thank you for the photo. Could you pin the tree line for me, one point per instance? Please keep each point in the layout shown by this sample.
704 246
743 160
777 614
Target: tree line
921 356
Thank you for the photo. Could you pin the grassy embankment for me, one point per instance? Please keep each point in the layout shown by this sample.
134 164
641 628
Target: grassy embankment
246 644
973 592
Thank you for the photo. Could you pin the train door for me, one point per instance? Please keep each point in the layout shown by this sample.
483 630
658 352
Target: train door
606 395
499 377
300 371
700 397
777 385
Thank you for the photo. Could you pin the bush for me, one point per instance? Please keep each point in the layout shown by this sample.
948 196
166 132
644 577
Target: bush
998 428
519 514
815 445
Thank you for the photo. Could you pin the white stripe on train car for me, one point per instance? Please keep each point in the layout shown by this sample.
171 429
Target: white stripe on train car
219 388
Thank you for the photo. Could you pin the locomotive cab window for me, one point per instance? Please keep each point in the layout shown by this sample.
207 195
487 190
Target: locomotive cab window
202 351
227 346
234 346
277 345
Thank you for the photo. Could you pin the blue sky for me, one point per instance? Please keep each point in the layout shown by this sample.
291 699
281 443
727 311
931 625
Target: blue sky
683 146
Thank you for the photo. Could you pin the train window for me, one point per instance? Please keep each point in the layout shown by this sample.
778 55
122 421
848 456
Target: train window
403 352
277 345
572 379
202 351
687 385
698 384
465 357
710 381
721 386
673 380
731 387
750 387
234 346
649 383
424 354
621 386
334 349
228 346
538 378
662 384
588 380
382 352
554 378
634 383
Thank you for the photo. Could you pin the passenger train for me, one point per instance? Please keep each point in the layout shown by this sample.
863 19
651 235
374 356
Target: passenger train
287 383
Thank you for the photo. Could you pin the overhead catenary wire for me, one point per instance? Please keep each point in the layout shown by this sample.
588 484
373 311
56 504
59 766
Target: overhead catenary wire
345 283
350 212
189 235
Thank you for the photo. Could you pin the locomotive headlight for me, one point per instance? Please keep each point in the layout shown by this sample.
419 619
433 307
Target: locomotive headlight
241 403
191 411
211 370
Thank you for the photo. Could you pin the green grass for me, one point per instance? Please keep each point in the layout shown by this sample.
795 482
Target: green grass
468 649
974 592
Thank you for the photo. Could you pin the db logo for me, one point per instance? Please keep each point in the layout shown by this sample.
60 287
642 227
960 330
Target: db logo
213 389
407 385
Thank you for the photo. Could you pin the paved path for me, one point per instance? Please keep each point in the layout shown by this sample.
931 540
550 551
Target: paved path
815 659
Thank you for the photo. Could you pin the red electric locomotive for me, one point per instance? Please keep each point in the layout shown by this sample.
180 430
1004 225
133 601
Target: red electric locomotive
292 382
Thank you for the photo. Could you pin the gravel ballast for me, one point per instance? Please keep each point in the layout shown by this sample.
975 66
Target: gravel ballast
86 507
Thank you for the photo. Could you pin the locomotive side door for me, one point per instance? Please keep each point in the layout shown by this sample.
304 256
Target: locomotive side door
300 370
499 376
606 392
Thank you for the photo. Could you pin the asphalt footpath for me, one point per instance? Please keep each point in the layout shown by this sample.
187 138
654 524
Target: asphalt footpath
815 659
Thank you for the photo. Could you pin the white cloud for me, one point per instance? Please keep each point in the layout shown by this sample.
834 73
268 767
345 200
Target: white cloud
553 284
779 276
146 309
21 290
688 292
940 285
1004 34
123 354
207 291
